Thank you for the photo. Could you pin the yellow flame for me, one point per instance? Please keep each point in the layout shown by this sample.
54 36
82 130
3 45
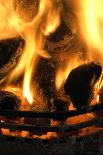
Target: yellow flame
91 23
90 16
97 98
99 87
45 22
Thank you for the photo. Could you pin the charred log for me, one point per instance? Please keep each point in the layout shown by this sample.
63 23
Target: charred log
60 40
80 83
44 77
7 49
10 51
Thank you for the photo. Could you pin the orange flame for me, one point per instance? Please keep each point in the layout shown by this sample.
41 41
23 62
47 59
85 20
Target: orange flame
90 16
45 22
91 23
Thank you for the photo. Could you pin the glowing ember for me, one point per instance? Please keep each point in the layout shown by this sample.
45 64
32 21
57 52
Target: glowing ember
12 24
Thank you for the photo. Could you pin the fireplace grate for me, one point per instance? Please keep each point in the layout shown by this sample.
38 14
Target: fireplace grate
54 116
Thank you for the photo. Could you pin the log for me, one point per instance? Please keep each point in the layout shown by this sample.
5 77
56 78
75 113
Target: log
10 51
60 40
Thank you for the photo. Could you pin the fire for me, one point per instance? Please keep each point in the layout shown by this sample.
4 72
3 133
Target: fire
90 18
33 32
99 87
91 22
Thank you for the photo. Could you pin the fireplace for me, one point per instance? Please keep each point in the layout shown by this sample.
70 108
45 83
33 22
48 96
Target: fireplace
51 89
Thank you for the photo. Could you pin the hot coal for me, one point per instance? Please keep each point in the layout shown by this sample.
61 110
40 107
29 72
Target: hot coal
80 83
7 49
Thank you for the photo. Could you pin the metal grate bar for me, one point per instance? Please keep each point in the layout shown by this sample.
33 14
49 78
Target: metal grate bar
65 128
53 115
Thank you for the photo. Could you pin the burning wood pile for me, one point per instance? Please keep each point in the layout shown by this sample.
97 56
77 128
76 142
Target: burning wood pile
51 80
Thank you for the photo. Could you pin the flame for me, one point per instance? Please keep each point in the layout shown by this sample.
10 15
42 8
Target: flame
90 18
13 24
91 22
99 87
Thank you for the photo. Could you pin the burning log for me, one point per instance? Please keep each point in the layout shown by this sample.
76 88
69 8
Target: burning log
10 51
44 77
80 83
59 41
